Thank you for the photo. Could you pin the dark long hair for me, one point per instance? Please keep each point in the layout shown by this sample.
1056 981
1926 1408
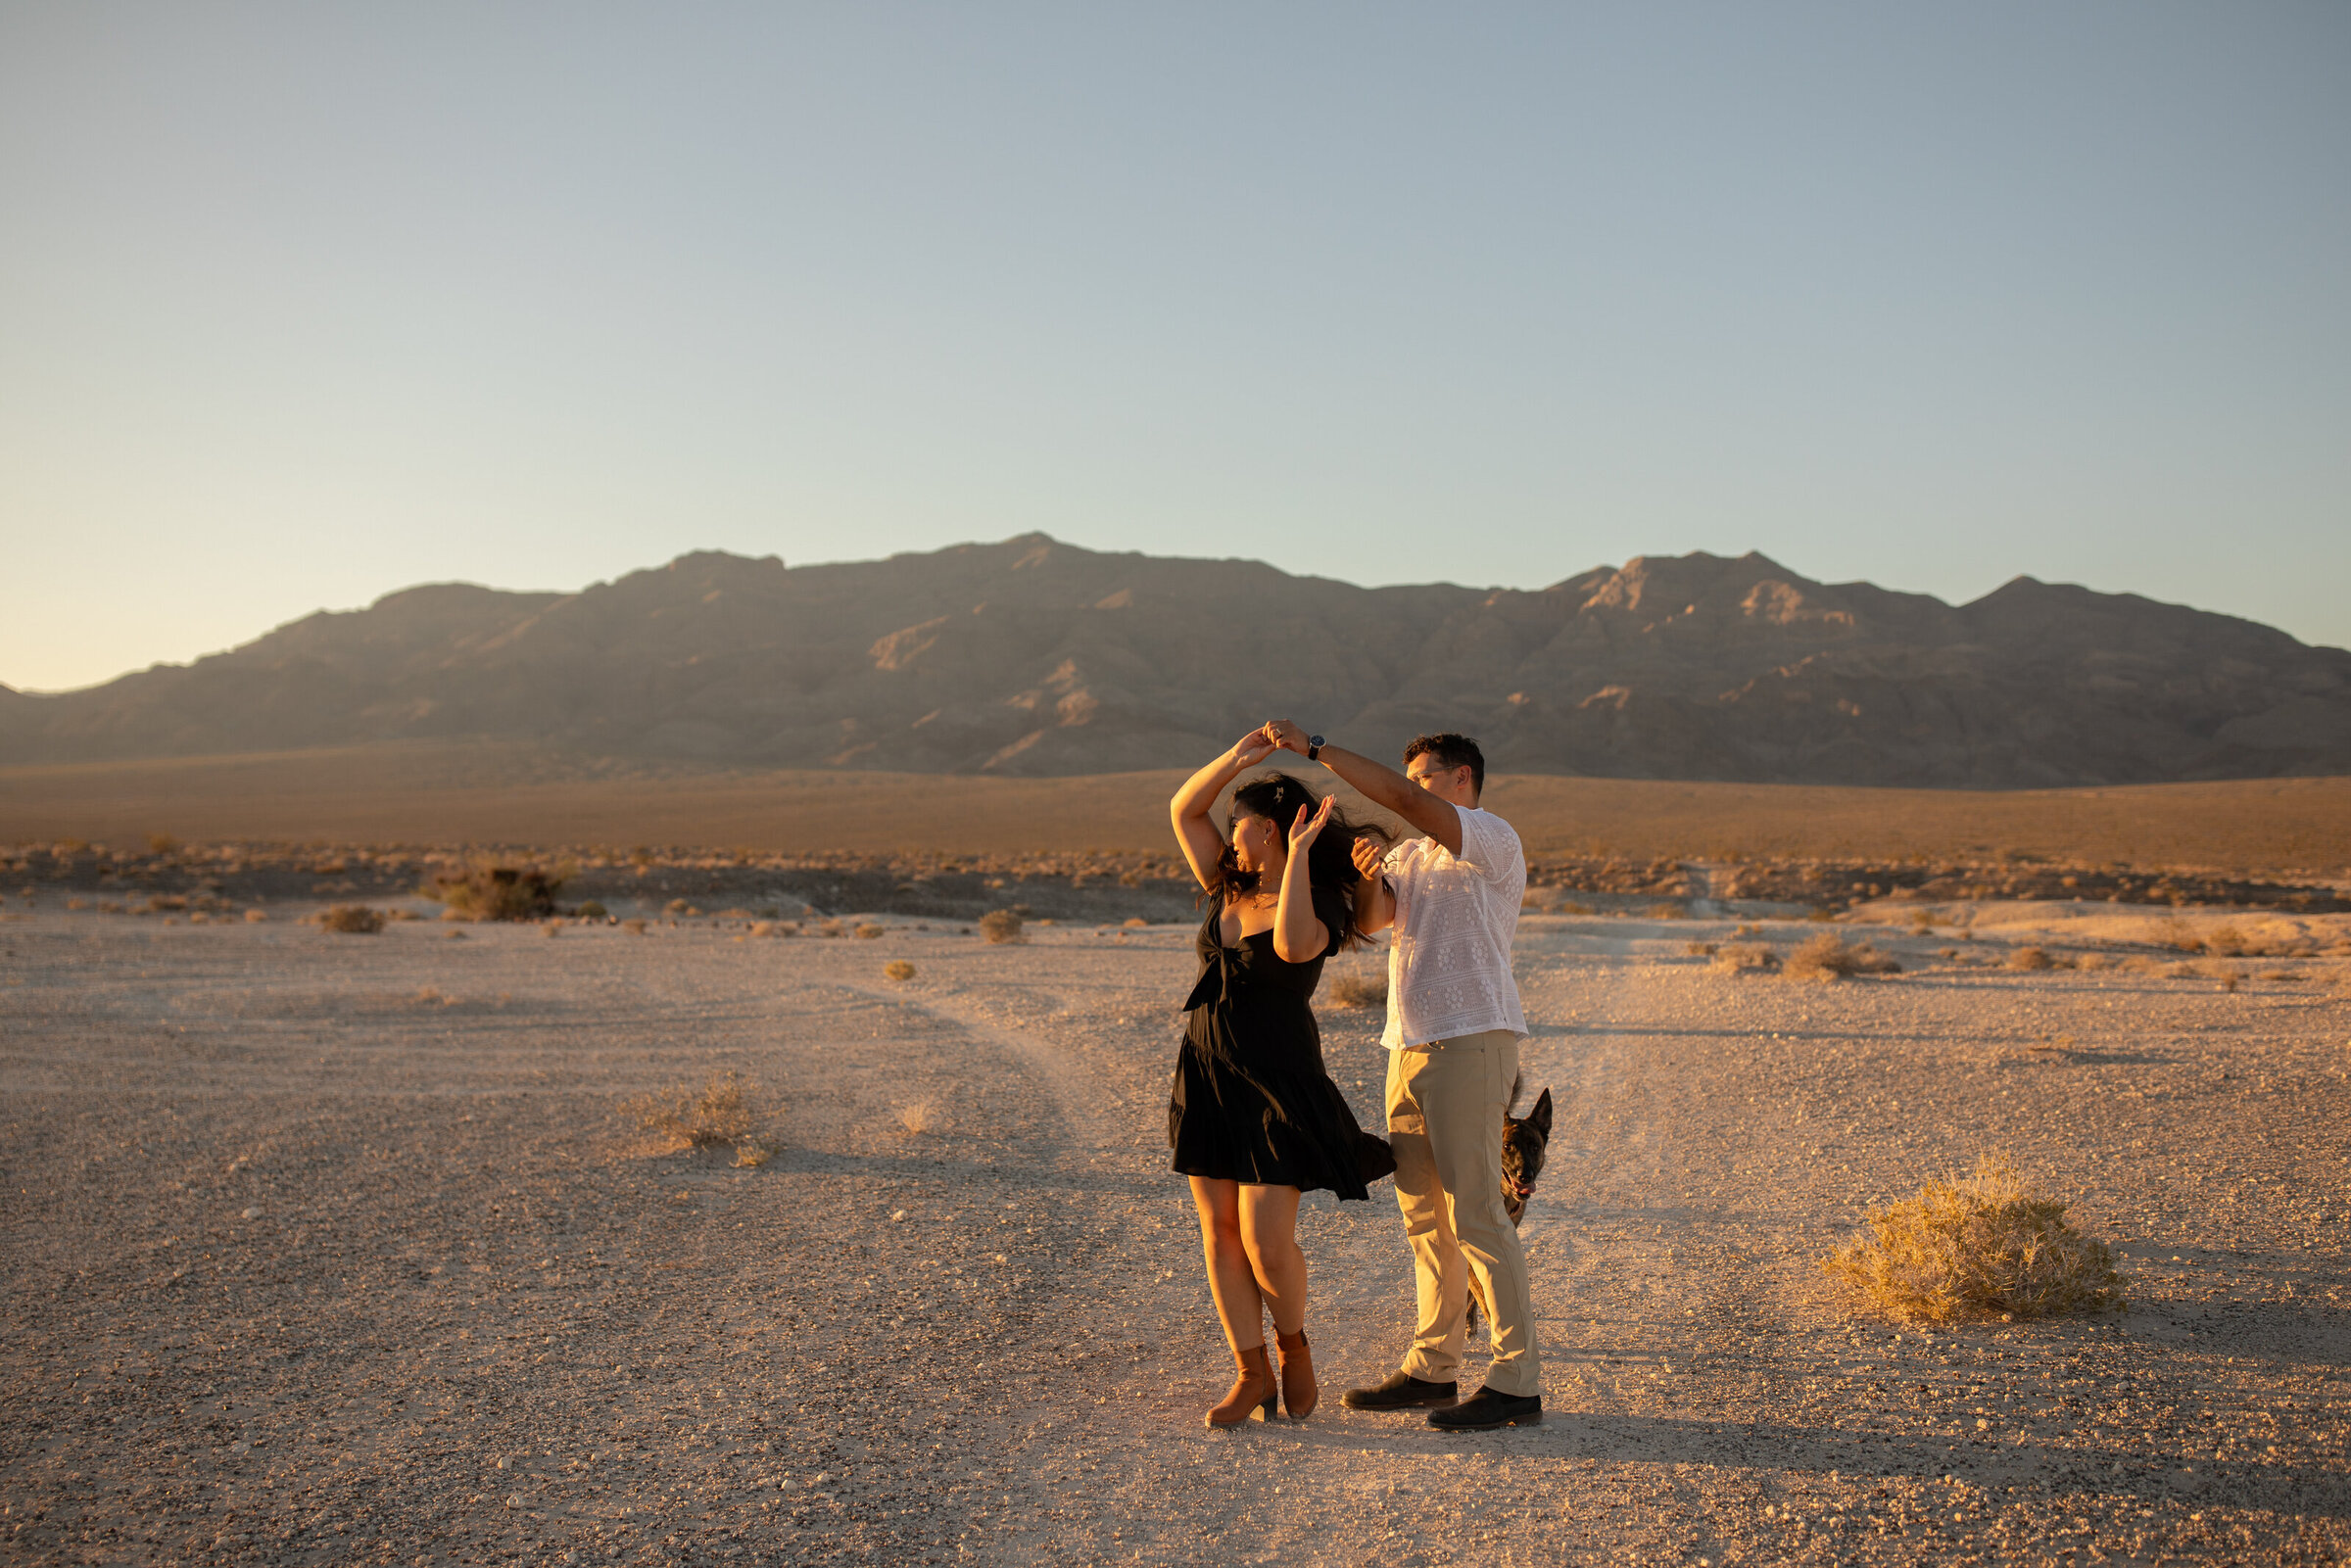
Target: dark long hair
1278 797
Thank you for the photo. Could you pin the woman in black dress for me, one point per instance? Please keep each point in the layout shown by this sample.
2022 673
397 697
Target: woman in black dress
1253 1118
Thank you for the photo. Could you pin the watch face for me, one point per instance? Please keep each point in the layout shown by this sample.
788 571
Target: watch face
1314 741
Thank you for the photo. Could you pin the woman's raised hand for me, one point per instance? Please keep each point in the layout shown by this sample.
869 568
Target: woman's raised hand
1368 855
1305 829
1252 748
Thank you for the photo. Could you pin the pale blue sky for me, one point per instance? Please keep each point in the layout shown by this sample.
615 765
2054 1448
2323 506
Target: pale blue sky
299 303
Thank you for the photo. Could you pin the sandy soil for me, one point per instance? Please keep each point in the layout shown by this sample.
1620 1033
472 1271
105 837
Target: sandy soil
337 1248
482 792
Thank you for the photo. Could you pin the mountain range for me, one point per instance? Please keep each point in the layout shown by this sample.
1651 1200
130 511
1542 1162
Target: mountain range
1037 657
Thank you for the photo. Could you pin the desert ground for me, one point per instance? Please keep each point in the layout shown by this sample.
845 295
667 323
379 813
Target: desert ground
479 793
335 1247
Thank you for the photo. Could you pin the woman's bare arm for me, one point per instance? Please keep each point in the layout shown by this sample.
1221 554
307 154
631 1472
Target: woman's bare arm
1299 933
1203 845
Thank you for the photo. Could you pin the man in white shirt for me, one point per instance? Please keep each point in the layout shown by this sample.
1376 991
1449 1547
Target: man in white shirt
1454 1026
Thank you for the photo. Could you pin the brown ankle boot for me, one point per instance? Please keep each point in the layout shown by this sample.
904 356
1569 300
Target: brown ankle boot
1253 1388
1298 1391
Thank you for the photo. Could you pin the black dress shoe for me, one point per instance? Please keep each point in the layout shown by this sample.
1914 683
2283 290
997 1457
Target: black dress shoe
1486 1410
1400 1392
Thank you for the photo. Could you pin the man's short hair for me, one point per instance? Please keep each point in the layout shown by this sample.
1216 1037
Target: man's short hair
1451 752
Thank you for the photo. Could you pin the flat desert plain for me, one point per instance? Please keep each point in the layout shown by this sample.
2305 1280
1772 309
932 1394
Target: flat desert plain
339 1248
480 792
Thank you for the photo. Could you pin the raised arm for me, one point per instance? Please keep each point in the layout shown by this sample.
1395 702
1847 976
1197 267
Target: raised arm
1203 845
1374 900
1299 933
1380 784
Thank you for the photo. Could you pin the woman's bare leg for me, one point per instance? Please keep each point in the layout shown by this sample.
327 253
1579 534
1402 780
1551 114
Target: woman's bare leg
1239 1308
1270 1230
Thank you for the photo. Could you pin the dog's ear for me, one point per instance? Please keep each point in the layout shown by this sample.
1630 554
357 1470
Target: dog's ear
1517 1086
1540 1116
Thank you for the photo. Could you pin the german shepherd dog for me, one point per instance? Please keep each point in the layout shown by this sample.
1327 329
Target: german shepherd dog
1523 1141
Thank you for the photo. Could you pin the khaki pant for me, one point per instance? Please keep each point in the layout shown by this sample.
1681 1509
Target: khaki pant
1446 1102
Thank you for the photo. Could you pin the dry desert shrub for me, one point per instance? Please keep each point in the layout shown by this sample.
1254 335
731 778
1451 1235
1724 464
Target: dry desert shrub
252 915
591 909
899 969
831 928
1133 923
1745 958
2031 957
635 927
356 919
921 1117
1977 1247
1830 957
1360 988
1668 912
497 892
869 932
1000 926
722 1110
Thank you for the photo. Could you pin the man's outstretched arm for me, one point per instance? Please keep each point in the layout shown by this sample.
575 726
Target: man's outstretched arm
1380 784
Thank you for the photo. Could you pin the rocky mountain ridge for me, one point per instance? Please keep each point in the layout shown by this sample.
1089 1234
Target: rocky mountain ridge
1033 656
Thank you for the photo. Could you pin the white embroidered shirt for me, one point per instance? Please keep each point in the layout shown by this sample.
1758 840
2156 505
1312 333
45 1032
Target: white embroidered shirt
1449 963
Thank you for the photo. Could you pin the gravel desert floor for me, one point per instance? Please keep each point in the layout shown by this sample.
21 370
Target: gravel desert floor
339 1248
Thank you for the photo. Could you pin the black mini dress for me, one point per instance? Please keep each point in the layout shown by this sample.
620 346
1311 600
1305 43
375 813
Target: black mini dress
1251 1101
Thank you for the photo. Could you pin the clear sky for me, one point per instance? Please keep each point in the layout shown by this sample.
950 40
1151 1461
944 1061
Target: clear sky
302 302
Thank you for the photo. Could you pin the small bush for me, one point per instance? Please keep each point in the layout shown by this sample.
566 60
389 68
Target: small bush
831 928
635 927
2031 957
922 1116
252 915
1668 911
1360 989
869 933
591 909
1830 957
719 1111
496 892
1745 958
1000 926
1702 949
1134 921
356 919
1981 1246
899 969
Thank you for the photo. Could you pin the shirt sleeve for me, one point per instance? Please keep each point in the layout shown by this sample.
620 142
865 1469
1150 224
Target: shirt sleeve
1489 848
